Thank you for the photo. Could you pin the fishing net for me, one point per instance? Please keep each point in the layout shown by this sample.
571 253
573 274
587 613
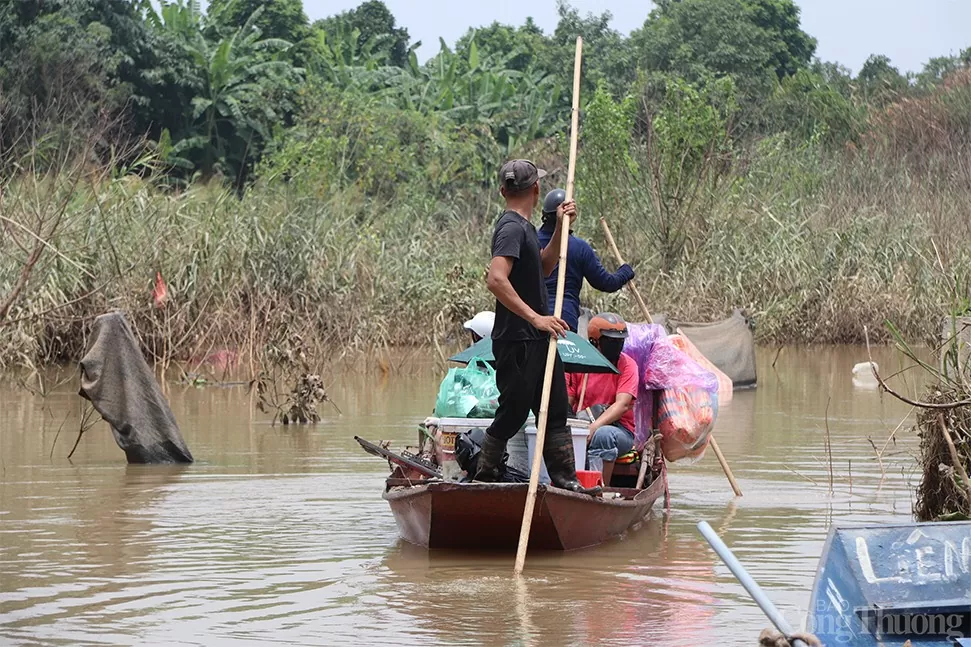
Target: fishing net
688 403
728 344
122 388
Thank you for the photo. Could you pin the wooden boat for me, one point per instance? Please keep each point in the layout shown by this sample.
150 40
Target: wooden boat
439 514
890 584
488 516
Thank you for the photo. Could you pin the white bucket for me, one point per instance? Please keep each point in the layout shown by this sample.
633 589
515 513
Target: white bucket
447 430
579 429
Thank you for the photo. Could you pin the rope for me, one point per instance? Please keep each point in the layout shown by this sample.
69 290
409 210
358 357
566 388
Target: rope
773 638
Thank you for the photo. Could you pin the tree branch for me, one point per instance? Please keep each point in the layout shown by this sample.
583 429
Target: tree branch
22 280
40 240
903 398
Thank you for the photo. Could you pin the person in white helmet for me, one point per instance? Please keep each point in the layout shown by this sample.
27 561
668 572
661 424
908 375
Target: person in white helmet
480 326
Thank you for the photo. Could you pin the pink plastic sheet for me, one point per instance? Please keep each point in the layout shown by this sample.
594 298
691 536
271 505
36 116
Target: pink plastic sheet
664 367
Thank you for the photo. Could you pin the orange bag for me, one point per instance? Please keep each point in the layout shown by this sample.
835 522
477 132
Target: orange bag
686 416
725 386
688 393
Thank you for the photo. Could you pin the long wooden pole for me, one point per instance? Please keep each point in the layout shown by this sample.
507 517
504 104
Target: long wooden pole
620 259
642 472
724 464
557 311
640 301
583 393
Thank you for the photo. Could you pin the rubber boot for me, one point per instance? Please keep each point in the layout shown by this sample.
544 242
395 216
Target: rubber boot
560 463
490 455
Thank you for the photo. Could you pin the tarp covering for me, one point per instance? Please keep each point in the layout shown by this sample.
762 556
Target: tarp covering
122 388
727 344
688 399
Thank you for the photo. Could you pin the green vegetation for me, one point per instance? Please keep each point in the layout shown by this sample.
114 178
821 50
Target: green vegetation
314 181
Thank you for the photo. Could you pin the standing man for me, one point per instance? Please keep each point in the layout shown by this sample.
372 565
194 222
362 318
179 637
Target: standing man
581 263
522 329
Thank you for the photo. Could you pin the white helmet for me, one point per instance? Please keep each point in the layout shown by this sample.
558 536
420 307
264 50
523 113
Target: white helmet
481 324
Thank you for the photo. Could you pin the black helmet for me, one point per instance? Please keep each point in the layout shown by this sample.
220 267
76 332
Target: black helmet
553 199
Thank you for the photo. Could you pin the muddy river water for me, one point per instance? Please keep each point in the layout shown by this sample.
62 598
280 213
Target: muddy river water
280 536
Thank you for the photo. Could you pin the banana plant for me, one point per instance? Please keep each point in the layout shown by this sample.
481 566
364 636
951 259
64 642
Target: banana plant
237 88
340 59
480 92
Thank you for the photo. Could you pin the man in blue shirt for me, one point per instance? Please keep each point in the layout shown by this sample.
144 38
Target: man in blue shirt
581 263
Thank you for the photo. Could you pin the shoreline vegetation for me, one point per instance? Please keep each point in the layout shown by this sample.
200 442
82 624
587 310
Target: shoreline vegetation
303 187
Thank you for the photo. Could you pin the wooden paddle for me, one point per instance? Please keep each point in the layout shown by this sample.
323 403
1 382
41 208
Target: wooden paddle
640 301
557 312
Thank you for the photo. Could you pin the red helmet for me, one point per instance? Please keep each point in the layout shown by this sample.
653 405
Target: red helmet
606 324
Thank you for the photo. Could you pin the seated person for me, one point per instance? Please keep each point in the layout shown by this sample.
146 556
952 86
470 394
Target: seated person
612 432
481 325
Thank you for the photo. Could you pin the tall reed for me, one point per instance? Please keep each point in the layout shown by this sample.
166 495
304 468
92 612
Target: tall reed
816 245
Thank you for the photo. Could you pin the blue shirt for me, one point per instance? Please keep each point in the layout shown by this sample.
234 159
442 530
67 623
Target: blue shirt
581 263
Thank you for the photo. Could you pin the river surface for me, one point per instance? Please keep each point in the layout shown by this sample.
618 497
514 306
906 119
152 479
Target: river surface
279 535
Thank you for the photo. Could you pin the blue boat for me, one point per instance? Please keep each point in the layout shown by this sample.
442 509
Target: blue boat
889 584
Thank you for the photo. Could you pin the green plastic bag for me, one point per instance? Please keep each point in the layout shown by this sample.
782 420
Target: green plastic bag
468 392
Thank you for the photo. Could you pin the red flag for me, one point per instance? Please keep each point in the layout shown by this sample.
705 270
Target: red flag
160 294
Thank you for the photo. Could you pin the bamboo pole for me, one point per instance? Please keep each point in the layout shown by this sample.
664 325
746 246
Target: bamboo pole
620 259
724 464
643 305
642 473
583 393
829 446
557 311
645 459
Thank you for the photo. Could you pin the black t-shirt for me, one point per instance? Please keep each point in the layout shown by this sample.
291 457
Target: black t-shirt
515 238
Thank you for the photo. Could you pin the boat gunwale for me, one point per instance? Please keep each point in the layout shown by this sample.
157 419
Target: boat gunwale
643 496
897 524
837 527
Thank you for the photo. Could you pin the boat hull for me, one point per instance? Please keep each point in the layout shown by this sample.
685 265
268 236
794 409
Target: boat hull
488 516
894 585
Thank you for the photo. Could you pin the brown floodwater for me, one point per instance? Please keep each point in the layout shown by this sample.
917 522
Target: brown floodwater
279 535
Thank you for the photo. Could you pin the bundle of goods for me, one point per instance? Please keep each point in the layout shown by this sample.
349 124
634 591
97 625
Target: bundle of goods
725 387
468 392
688 403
